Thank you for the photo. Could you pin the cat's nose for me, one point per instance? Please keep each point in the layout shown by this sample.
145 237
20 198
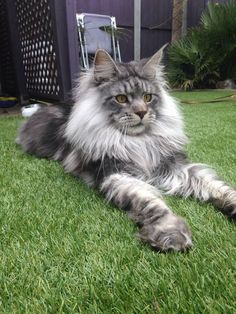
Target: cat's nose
141 114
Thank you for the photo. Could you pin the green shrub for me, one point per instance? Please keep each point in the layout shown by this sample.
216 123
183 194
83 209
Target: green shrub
208 53
219 25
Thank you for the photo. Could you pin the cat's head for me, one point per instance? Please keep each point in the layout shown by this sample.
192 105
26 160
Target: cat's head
123 111
129 92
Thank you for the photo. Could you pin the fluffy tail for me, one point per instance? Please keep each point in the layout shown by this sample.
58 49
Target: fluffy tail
42 133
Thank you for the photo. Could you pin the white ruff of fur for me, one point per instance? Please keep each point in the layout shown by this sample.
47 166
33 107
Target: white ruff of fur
88 130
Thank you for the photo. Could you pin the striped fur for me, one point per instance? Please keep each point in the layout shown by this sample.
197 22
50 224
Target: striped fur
130 158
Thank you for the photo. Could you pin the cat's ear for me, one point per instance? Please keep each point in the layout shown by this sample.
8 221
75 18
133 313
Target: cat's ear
150 68
104 66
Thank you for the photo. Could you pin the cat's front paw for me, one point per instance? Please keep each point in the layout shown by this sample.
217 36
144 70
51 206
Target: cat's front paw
170 234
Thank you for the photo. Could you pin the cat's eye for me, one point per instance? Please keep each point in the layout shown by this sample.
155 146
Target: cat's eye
121 99
147 97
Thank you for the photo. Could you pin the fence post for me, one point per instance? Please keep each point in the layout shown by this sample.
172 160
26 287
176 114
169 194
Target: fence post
137 29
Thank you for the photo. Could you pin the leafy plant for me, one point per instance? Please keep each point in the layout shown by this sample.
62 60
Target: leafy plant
119 32
189 65
208 53
219 25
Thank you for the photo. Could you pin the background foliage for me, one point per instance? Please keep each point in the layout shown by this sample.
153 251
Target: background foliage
207 54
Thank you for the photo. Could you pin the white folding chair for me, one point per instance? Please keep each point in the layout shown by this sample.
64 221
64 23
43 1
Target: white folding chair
96 31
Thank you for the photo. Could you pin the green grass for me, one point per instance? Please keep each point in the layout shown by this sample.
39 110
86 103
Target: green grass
64 250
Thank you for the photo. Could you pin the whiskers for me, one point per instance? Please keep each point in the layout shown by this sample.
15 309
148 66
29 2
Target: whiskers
120 139
124 130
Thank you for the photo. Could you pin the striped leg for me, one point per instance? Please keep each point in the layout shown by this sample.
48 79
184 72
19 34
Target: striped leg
201 182
159 227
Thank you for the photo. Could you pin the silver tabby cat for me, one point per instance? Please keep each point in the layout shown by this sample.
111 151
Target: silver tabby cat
124 135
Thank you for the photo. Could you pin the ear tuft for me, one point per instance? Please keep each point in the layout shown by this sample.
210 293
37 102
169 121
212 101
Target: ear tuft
104 66
150 67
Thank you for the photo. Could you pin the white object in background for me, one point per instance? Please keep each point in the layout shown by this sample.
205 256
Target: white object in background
27 111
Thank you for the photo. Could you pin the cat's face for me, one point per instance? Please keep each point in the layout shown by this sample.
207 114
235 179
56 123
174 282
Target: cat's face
129 92
131 104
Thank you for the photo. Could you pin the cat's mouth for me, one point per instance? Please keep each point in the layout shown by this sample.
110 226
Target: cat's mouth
135 128
128 125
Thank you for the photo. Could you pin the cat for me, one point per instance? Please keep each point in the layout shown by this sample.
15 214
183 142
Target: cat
124 135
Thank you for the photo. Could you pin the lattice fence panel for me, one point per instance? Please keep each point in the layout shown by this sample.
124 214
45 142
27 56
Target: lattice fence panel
38 47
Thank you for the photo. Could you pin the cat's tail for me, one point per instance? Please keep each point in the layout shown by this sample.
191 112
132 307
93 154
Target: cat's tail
42 134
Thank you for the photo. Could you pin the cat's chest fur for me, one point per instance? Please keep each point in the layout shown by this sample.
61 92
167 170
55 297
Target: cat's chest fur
139 153
99 156
94 171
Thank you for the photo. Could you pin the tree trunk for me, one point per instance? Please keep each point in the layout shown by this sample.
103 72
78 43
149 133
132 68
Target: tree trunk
179 19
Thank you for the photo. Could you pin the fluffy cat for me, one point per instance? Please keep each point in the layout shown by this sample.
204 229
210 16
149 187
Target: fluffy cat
124 135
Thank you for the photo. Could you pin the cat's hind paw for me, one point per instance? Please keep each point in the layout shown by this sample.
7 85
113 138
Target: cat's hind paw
228 206
230 211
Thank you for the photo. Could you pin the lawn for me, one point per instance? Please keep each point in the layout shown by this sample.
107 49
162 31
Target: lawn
63 249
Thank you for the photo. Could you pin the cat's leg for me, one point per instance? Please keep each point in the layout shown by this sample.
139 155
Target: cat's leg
159 227
201 182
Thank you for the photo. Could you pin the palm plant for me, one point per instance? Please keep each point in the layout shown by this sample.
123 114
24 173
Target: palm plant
219 25
208 53
190 66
